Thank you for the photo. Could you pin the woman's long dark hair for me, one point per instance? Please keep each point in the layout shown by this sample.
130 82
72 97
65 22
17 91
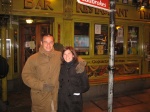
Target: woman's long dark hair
75 58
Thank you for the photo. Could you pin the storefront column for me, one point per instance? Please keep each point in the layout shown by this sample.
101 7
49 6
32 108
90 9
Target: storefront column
68 33
4 80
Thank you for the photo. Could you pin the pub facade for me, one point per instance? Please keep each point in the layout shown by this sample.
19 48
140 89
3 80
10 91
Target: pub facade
85 28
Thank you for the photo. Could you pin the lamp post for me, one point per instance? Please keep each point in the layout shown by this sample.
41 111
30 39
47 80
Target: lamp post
111 67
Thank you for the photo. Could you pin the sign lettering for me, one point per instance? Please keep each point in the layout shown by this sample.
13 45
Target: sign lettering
100 4
90 10
39 4
144 15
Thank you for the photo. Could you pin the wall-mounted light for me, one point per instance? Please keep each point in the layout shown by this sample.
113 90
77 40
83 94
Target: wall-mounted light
29 21
118 27
141 4
142 7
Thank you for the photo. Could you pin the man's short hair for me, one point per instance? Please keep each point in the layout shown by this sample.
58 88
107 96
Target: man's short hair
46 34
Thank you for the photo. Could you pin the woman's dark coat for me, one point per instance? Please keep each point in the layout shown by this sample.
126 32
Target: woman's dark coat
69 83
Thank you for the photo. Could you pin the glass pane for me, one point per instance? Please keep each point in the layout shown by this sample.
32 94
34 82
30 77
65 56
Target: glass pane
119 40
81 38
30 41
45 29
101 39
133 33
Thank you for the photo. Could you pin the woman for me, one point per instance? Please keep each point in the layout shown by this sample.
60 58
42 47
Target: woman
71 83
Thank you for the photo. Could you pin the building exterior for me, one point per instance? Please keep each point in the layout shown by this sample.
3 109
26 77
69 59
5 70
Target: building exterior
85 28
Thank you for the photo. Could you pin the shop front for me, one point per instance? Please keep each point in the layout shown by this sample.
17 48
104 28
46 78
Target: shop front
85 28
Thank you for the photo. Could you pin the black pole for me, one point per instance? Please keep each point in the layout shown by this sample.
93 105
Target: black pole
112 56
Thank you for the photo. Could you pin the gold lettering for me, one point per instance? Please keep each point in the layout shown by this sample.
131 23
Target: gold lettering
121 12
83 9
117 13
28 4
141 17
103 12
144 15
96 11
90 9
39 4
47 5
78 7
126 10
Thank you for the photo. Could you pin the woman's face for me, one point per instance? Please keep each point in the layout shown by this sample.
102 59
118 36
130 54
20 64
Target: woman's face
68 56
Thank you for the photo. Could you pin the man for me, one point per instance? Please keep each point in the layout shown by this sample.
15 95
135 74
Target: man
4 68
41 72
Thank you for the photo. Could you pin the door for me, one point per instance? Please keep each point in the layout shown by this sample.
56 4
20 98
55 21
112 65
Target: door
146 51
30 39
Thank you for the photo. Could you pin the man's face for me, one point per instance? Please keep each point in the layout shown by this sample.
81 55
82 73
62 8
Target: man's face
47 43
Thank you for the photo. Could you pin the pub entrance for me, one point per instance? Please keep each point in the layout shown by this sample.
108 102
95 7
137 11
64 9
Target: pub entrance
146 51
30 36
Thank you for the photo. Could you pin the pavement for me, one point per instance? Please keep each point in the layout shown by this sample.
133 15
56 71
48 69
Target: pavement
139 101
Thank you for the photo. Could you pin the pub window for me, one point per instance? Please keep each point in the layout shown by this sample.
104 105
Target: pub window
81 38
133 40
101 39
119 40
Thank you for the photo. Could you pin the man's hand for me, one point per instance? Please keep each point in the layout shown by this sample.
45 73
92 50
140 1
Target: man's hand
80 67
48 88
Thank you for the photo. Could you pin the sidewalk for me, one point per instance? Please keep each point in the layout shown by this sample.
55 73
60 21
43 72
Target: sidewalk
135 102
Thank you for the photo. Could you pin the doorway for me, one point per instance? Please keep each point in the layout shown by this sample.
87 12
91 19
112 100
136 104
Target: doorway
30 37
146 51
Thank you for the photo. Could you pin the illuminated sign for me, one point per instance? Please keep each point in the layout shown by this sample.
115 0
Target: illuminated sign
100 4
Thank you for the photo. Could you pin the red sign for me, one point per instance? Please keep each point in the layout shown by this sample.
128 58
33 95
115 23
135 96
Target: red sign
100 4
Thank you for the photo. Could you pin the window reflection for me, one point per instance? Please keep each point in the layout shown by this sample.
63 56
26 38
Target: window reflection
81 38
119 40
101 39
133 40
